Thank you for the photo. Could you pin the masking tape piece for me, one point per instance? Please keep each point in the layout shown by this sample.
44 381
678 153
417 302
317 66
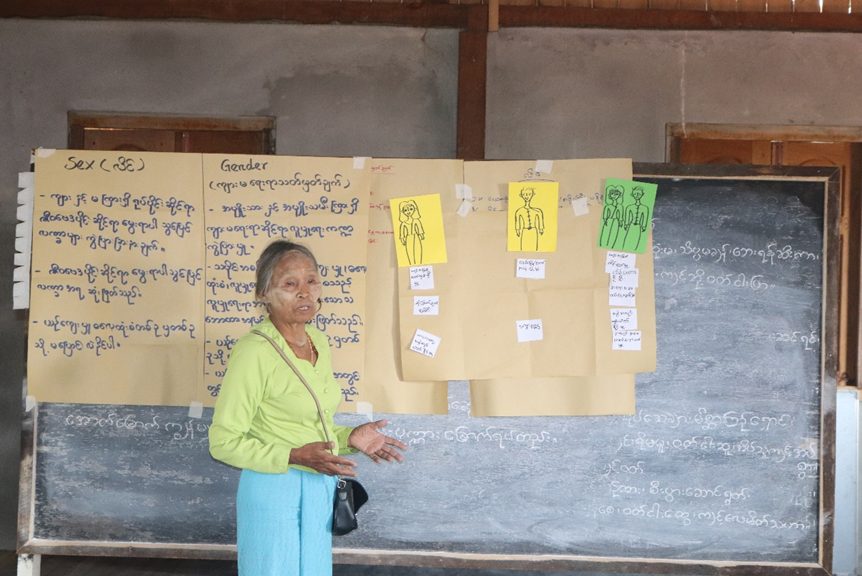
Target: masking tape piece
23 229
25 179
366 409
20 259
465 208
579 205
196 410
20 296
24 212
45 152
29 403
359 162
25 196
463 192
22 244
544 166
21 274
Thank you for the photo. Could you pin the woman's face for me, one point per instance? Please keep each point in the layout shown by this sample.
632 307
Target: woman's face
294 289
407 209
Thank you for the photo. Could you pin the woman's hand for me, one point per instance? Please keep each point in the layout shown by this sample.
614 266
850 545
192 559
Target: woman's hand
316 455
368 440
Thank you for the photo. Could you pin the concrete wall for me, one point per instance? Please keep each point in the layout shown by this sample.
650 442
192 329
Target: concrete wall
339 90
602 93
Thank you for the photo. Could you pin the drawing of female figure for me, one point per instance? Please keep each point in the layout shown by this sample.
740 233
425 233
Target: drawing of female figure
411 233
612 217
529 222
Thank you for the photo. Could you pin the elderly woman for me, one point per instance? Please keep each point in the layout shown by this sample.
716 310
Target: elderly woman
266 423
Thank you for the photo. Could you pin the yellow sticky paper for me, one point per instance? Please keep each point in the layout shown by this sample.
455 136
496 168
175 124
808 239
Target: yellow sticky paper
417 223
533 216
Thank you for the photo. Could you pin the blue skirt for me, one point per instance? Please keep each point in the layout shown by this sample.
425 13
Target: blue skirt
284 523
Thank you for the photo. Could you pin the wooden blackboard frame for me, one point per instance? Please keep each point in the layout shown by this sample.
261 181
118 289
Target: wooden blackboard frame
28 545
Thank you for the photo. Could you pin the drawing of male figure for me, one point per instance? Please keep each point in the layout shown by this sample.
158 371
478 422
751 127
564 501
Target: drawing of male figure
529 222
411 233
636 221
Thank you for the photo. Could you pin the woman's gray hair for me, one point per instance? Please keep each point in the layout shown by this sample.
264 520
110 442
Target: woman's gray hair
269 260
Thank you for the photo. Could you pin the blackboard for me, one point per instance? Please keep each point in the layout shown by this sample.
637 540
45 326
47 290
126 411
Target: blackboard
726 467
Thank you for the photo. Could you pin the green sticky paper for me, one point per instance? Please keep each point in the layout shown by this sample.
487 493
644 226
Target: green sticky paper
626 215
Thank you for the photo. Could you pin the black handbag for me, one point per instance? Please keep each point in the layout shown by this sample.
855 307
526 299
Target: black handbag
349 493
349 498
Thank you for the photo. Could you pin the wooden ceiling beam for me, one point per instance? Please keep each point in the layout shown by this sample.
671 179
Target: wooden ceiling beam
430 14
411 14
571 17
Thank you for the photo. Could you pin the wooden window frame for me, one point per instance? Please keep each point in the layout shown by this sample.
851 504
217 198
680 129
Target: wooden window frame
850 227
79 122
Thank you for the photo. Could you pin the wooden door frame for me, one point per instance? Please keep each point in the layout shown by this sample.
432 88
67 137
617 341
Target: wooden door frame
850 226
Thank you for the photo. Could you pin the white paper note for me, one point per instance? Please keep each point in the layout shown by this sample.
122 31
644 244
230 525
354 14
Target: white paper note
619 261
425 343
529 330
624 319
625 277
622 296
627 340
421 278
426 305
530 268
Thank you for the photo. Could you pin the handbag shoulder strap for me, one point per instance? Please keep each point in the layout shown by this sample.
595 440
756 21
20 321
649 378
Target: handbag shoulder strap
303 380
